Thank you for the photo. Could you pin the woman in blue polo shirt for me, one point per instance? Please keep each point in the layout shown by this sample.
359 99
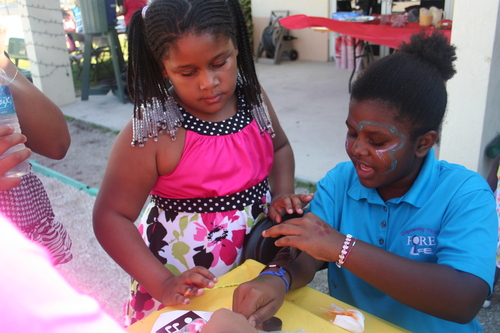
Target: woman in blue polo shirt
408 238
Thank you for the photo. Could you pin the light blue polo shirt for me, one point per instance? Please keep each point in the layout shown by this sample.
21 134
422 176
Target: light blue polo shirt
447 217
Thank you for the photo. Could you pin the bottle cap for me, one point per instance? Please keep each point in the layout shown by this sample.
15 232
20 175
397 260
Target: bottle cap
272 324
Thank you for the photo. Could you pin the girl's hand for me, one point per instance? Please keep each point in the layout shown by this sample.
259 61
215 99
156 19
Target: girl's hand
288 204
178 289
9 139
260 298
309 234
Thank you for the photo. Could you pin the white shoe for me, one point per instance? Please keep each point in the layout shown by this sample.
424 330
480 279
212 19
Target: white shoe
486 303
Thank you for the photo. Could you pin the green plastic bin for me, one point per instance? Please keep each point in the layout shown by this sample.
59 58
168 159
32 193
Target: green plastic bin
98 15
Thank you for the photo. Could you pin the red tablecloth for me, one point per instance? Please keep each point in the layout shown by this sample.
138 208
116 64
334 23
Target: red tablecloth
385 35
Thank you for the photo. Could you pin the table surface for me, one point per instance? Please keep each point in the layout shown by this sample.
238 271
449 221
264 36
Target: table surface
372 32
301 309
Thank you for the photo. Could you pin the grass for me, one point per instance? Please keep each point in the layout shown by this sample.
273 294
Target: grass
101 72
309 186
86 125
98 73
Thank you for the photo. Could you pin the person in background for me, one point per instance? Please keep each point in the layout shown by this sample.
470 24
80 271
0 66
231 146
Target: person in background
24 200
494 182
128 8
406 237
209 150
69 26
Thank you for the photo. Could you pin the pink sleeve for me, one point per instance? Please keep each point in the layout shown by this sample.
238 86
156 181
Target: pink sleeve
36 298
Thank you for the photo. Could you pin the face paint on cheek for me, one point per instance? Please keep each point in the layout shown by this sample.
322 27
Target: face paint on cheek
349 141
392 150
382 153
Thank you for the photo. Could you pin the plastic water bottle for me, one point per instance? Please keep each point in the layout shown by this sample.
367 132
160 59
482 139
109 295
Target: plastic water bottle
8 116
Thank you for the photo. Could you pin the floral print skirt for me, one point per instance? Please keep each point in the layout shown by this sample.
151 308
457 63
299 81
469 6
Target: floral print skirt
182 240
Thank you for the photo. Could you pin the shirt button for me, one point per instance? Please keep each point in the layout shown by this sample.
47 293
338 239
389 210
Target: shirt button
383 224
385 209
381 241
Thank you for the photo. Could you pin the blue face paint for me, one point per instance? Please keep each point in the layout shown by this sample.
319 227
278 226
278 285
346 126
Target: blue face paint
391 150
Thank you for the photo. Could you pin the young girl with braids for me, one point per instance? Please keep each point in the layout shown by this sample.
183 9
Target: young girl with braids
422 250
210 174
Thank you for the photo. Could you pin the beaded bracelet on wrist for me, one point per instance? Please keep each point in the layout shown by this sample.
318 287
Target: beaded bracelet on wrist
346 250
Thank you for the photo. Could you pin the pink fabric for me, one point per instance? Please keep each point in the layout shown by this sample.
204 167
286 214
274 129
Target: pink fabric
213 166
132 6
35 298
385 35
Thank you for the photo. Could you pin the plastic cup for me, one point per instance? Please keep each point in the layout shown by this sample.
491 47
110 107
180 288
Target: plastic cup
426 20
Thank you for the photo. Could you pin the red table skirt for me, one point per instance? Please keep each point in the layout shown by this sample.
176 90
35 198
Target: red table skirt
385 35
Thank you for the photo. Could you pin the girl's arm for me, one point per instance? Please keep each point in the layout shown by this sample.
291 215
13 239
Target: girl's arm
130 175
42 122
282 175
435 289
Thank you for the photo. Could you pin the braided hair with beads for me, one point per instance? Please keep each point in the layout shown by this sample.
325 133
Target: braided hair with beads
154 31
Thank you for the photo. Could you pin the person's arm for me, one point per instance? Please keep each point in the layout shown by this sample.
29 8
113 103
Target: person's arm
427 287
492 178
130 175
42 121
260 298
49 305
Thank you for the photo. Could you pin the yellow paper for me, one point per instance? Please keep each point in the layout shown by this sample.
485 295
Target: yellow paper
301 309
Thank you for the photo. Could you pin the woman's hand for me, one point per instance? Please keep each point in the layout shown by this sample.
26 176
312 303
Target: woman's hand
9 139
288 204
260 298
309 234
178 289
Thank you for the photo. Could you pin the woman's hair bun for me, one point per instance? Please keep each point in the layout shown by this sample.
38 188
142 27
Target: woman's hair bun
435 50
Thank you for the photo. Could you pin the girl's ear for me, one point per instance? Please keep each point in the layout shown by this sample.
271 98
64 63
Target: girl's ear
164 73
425 142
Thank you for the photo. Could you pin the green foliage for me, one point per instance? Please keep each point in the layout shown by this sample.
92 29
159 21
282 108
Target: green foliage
311 187
99 73
246 5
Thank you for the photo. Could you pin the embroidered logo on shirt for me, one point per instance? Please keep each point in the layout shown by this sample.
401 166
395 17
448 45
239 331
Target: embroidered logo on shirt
420 242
